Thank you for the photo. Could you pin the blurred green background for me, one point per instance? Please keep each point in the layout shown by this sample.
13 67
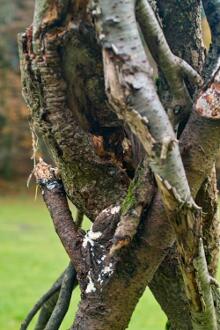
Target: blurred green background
31 256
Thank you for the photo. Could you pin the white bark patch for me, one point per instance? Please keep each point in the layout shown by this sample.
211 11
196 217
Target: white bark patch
90 237
90 286
111 210
105 273
87 240
108 270
115 209
94 235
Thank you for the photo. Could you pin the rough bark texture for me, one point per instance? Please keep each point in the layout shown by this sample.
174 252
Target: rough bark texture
187 19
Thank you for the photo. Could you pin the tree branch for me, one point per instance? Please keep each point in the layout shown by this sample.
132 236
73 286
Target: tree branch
173 14
79 218
55 199
45 312
173 68
143 113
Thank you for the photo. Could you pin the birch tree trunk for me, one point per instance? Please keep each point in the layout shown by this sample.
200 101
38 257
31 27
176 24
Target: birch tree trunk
133 151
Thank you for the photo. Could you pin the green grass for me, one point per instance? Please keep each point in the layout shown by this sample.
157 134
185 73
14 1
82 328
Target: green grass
31 258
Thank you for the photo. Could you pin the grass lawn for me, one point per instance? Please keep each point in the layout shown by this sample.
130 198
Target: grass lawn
31 258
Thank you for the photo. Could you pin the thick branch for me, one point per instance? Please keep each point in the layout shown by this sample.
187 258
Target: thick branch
142 110
174 15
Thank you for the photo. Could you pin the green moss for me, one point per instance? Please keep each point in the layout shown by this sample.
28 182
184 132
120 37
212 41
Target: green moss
130 198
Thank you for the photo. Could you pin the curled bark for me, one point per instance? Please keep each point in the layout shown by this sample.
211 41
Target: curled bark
167 284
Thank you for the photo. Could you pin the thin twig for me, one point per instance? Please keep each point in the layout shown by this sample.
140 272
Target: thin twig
46 311
62 305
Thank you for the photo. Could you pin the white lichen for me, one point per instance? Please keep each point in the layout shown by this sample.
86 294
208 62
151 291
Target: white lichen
108 270
87 240
103 257
90 237
105 273
94 235
90 286
111 210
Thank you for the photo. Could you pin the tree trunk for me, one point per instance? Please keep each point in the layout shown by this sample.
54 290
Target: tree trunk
88 83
